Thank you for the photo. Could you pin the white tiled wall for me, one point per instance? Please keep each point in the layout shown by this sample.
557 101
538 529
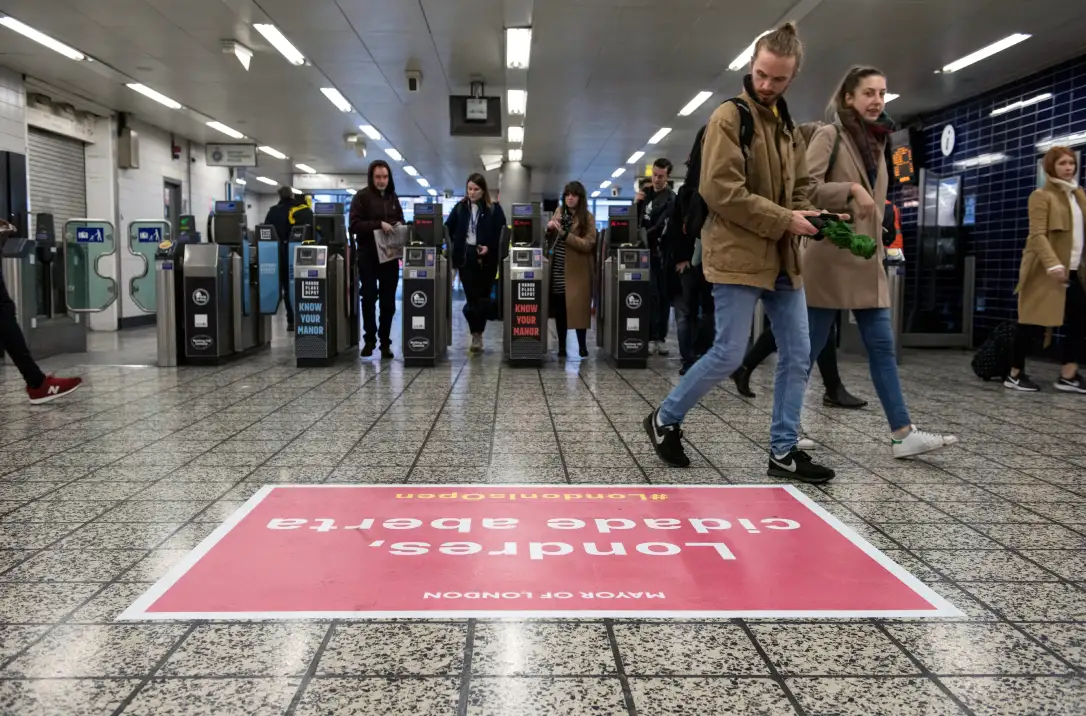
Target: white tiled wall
140 192
12 112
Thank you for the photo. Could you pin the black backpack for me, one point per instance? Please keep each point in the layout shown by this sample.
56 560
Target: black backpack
993 360
698 211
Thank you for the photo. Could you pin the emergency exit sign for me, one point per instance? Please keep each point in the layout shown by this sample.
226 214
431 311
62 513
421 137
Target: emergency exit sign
345 551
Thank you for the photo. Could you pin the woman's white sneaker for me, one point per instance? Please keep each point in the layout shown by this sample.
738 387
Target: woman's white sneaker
919 442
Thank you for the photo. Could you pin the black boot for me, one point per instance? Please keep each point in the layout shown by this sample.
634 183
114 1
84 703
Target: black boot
742 382
841 398
367 349
386 350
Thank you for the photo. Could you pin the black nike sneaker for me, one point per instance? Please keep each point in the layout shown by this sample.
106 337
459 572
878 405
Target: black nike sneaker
797 465
667 440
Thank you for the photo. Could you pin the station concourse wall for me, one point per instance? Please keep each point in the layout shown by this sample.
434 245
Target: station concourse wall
1002 189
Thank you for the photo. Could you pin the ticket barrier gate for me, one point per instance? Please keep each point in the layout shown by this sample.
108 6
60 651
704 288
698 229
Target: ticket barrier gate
427 290
231 289
622 320
36 282
169 293
525 290
325 288
144 238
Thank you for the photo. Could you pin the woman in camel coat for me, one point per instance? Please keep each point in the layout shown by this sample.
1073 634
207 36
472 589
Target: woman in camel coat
847 163
571 238
1050 288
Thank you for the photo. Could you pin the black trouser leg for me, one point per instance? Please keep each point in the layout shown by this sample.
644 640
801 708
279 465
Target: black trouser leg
1074 322
13 342
478 280
558 312
368 278
1023 340
389 278
827 363
582 339
762 348
707 321
285 280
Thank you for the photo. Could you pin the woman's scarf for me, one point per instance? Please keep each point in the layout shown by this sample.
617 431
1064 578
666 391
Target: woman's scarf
566 219
869 137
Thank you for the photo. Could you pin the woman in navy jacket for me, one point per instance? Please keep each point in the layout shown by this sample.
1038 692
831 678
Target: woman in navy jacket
475 227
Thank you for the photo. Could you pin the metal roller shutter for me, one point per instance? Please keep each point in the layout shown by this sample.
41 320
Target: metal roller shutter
58 179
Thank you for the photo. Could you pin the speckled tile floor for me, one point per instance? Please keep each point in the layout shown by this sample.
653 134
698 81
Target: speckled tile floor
100 494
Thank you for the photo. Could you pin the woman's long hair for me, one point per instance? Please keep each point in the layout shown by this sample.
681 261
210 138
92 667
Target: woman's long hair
480 181
849 84
580 216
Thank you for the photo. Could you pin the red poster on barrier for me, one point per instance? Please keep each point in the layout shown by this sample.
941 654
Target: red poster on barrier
343 551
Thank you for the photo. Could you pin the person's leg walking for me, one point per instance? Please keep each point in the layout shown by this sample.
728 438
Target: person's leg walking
1074 327
41 388
734 314
686 317
368 278
787 311
1017 379
558 313
389 279
761 349
707 319
836 396
285 280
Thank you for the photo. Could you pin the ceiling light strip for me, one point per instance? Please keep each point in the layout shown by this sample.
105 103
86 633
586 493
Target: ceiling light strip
336 97
152 94
279 41
41 38
986 52
693 104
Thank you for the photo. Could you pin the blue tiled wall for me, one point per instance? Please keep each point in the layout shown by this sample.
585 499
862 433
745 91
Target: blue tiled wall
1003 189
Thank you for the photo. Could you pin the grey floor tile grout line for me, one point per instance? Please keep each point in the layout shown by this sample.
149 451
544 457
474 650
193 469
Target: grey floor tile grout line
433 423
620 668
116 579
790 676
494 418
465 672
554 426
595 398
310 671
923 669
151 675
774 674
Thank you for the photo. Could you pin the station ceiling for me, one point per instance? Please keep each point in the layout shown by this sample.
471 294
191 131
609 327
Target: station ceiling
604 75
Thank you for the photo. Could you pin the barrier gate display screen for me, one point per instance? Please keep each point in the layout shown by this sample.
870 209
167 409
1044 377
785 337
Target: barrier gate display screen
619 225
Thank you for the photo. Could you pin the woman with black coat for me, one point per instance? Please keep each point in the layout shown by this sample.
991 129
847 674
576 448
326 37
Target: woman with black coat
376 208
475 229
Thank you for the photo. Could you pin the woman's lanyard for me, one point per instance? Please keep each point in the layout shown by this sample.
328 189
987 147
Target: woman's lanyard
473 220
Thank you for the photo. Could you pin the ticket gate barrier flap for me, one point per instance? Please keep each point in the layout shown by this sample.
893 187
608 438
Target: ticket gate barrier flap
86 243
47 334
144 238
268 281
208 301
628 312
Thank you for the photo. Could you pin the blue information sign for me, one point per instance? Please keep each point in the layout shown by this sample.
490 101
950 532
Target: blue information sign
90 235
152 235
623 210
522 209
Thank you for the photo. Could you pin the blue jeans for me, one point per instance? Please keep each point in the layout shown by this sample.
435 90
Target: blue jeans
878 338
787 309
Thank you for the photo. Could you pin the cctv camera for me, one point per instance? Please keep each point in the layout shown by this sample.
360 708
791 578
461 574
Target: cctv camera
414 80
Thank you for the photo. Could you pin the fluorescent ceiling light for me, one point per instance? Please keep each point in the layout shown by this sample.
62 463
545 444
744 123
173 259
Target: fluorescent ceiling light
635 157
240 181
595 193
518 47
431 192
41 38
618 172
981 160
986 52
370 131
411 171
273 152
336 97
745 56
226 130
693 104
1067 140
516 135
491 166
423 183
515 155
1021 103
156 96
297 191
605 184
517 101
350 191
660 135
391 151
306 168
266 180
279 41
244 55
890 97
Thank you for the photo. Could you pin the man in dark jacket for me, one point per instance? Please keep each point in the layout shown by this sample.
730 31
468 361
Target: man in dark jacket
694 316
654 207
279 217
376 208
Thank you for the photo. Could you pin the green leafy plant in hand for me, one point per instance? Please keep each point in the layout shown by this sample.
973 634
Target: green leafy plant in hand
841 235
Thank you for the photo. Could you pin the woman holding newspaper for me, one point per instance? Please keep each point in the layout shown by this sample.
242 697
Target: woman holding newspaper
475 228
377 208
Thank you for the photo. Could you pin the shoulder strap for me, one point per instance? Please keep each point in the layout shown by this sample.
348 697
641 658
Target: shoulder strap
746 124
836 148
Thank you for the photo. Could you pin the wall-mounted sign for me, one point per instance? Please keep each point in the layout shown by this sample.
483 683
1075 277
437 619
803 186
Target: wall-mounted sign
946 142
230 155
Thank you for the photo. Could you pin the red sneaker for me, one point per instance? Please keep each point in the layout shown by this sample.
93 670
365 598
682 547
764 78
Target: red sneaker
52 388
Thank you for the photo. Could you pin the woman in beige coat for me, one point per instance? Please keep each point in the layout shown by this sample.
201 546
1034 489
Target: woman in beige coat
1050 292
847 162
571 238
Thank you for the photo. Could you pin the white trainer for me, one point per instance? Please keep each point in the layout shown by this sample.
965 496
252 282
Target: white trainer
477 342
805 443
919 442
